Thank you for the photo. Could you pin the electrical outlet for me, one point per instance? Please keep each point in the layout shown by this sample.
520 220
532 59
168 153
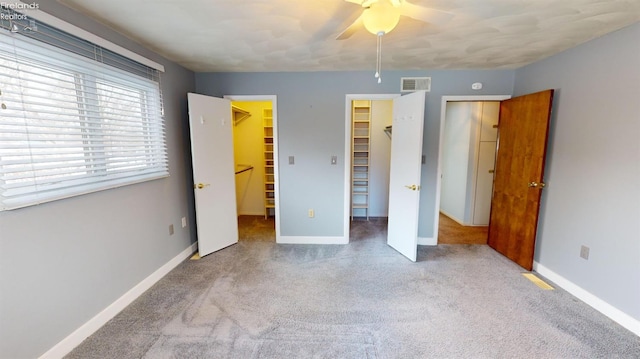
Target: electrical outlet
184 222
311 213
171 229
584 252
334 160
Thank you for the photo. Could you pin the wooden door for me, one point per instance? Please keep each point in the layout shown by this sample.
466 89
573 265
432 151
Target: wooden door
213 172
522 142
404 173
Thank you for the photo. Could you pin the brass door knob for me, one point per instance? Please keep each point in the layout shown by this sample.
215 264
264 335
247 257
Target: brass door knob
536 185
413 187
201 185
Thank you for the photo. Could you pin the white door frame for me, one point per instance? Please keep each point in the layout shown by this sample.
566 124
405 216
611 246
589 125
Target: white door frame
276 176
347 150
443 113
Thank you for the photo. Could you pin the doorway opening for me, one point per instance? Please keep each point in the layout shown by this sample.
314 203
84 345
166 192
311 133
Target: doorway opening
367 158
404 169
370 158
466 159
255 157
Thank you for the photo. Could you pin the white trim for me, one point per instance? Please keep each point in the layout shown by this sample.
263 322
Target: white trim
312 240
83 34
443 111
347 150
276 162
74 339
596 303
261 214
427 241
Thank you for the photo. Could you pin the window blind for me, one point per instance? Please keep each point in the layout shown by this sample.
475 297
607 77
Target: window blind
70 124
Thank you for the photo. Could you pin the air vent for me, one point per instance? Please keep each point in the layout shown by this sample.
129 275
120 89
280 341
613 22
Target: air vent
409 84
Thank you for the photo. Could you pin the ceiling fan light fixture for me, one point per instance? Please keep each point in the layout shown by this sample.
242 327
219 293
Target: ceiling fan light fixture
380 17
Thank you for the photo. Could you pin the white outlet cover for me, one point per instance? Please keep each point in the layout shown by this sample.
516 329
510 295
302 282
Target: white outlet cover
476 86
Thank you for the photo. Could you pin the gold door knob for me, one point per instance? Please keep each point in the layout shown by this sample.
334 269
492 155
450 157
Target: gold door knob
413 187
536 185
201 185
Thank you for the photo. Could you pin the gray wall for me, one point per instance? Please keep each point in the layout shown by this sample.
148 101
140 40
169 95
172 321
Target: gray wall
380 158
63 262
593 166
311 117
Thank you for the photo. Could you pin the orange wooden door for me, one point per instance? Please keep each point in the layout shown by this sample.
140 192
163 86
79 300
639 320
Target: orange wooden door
522 143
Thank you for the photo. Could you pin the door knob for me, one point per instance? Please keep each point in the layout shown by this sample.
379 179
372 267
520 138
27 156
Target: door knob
413 187
201 185
536 185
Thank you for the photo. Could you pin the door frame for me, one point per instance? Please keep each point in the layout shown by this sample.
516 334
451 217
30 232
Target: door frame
276 176
443 113
347 150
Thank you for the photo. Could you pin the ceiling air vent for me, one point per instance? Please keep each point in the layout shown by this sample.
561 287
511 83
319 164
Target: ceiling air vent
409 84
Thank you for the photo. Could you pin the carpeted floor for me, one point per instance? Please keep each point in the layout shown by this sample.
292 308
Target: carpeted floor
256 228
258 299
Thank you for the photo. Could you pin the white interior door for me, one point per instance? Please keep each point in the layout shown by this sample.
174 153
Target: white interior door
404 179
213 172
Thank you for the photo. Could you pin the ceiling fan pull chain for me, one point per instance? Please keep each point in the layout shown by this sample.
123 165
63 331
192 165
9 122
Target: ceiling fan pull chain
377 74
379 58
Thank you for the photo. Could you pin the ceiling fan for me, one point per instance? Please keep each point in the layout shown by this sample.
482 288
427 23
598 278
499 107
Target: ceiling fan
381 16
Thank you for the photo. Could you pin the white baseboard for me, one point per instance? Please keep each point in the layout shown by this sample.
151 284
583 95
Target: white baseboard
598 304
251 214
430 241
453 218
312 240
74 339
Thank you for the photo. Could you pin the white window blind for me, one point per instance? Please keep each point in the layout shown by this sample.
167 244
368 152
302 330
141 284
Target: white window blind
70 125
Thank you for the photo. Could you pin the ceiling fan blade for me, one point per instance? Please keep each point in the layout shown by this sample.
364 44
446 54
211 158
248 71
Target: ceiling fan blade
366 3
341 17
352 29
425 14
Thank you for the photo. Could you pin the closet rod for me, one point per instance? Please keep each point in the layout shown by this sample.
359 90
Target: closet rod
247 168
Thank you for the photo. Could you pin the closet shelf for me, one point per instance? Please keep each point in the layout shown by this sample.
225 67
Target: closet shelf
387 130
269 168
239 114
360 157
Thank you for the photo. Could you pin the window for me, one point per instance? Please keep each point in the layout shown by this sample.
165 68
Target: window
70 125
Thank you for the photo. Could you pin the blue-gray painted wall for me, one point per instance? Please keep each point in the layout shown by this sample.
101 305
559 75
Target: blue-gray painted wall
593 166
311 123
63 262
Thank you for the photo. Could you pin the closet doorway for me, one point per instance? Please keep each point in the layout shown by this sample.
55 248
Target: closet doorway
370 156
255 158
402 168
367 164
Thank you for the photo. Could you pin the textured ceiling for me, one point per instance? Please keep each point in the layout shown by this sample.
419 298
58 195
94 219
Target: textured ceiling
298 35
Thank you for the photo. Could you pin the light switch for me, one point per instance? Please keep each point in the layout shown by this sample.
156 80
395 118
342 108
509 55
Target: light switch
334 160
291 160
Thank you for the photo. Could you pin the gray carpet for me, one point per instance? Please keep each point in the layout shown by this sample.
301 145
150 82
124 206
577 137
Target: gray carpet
362 300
